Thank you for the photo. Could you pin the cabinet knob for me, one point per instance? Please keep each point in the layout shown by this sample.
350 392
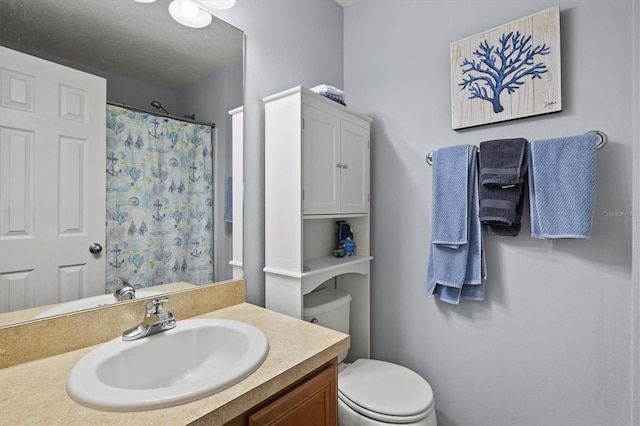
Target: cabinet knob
345 166
339 165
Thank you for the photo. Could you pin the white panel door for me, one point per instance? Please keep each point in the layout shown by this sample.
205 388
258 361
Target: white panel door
354 156
321 162
52 182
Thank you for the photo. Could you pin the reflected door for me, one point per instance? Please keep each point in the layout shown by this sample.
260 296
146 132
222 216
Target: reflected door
52 182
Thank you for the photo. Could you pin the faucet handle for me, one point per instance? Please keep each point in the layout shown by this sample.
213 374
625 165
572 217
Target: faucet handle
155 321
125 291
154 306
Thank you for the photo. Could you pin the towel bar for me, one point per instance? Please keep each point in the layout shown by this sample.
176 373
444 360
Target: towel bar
601 142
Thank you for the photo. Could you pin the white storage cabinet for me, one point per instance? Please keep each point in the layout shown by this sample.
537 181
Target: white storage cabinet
237 197
316 173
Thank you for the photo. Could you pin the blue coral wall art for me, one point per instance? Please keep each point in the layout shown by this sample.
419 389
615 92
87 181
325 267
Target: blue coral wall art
509 72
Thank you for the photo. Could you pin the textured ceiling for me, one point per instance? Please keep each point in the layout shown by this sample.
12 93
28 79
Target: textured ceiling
138 40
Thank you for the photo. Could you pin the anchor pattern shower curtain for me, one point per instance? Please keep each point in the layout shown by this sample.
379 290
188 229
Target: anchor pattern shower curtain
159 200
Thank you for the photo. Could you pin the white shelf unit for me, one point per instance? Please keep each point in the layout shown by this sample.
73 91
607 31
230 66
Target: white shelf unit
237 192
316 173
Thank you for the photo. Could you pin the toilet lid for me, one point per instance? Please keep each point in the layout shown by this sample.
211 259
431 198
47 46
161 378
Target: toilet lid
385 388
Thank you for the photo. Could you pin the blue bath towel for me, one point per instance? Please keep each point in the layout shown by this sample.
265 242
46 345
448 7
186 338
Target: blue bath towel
562 178
456 264
450 195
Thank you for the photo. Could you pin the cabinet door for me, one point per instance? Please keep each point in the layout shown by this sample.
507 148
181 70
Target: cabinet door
354 158
321 162
312 403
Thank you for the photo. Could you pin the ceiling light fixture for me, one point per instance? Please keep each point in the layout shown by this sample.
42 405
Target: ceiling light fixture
189 14
218 4
144 1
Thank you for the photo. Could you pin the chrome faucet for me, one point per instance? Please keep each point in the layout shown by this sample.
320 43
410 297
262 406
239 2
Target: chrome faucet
125 291
156 320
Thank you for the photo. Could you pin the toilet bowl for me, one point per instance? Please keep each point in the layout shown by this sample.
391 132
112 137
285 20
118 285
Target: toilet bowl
370 392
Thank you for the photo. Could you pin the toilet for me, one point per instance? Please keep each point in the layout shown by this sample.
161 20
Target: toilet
370 392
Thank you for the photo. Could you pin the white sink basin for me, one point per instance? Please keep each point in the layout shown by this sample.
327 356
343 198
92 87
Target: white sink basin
88 303
195 359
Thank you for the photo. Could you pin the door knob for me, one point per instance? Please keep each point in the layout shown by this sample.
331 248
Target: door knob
95 248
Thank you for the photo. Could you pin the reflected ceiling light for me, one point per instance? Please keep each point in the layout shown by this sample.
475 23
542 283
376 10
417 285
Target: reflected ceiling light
144 1
218 4
189 13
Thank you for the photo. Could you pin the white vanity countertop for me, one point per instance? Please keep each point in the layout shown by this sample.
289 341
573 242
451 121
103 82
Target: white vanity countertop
34 392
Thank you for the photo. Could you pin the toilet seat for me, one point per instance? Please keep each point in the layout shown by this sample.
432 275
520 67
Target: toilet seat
385 392
380 416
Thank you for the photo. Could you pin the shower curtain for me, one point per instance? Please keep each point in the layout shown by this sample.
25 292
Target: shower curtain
159 200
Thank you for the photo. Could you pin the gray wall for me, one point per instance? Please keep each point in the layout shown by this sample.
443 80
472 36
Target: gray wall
224 92
136 93
556 341
288 43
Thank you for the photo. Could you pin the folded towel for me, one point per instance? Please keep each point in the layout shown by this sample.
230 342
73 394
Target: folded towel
562 175
503 165
337 98
502 161
498 206
327 88
512 230
456 263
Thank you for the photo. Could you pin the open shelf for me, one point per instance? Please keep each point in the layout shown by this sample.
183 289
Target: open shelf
334 216
331 263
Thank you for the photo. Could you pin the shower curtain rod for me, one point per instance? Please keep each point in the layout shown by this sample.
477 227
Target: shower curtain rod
160 114
599 144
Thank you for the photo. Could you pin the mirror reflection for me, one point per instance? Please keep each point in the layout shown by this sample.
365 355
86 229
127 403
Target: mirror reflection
135 199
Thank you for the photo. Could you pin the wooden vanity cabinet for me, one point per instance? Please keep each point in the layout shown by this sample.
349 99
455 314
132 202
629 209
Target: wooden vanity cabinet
311 401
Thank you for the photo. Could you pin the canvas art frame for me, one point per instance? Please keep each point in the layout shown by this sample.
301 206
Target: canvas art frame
511 71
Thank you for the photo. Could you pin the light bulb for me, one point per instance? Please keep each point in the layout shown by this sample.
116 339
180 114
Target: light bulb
188 9
189 14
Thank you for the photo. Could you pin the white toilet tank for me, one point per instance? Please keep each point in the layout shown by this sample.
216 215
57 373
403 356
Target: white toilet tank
329 308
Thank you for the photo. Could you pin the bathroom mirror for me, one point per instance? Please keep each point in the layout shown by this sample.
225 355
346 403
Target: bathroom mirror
145 56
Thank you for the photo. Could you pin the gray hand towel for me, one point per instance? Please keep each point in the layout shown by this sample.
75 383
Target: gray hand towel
502 161
510 230
503 167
